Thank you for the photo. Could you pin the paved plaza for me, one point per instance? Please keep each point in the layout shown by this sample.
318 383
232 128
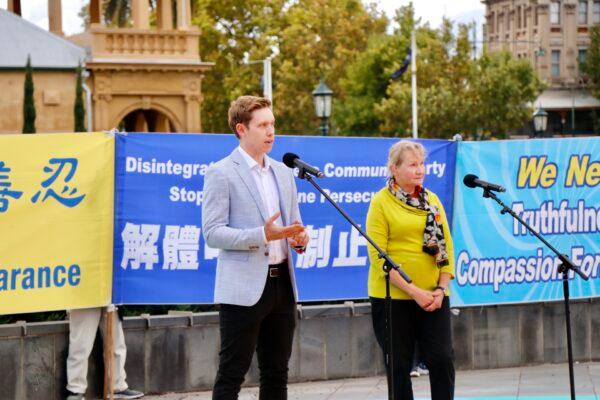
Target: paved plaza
549 381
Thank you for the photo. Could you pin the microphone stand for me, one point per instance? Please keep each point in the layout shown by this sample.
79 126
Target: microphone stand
388 265
565 265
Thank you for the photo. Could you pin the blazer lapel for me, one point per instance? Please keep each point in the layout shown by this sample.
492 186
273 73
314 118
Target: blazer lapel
242 169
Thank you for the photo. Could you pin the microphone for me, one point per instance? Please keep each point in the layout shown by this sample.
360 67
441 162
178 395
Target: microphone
293 161
473 181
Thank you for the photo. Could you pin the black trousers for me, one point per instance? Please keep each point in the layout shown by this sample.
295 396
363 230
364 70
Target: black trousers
267 327
431 330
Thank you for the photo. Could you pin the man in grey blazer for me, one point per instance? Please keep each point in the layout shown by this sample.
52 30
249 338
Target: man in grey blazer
250 213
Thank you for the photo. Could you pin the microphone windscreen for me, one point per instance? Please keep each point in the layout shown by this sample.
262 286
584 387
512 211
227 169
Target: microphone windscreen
469 180
289 158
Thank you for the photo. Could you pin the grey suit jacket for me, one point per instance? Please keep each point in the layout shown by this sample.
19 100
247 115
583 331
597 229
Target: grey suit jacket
233 216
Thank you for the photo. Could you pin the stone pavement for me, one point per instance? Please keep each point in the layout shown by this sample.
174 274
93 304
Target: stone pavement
548 382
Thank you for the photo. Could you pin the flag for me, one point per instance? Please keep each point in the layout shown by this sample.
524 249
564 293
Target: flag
400 71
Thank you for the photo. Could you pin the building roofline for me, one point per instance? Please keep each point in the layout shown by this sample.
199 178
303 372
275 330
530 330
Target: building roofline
32 25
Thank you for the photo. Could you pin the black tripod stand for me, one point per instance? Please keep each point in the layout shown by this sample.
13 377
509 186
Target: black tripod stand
388 265
564 267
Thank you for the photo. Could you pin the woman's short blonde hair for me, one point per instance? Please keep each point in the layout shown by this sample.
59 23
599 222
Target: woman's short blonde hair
398 150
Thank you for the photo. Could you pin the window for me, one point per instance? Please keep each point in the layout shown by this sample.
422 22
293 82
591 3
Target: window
581 56
491 23
507 14
555 12
527 15
555 63
519 17
583 12
596 11
535 16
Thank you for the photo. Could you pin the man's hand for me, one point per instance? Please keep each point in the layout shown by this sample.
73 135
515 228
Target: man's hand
276 232
299 241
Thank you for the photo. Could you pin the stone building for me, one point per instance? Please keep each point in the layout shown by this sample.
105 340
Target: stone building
554 36
54 61
141 78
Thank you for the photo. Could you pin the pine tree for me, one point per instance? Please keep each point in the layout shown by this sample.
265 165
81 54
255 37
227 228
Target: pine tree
28 102
78 110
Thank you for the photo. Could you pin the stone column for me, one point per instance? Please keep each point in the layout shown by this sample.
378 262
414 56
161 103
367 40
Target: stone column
569 49
512 29
101 115
141 14
55 17
141 125
184 15
543 62
101 86
501 28
15 6
95 12
533 46
192 111
192 98
162 123
164 11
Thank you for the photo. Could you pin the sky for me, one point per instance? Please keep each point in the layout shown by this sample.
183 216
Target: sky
431 11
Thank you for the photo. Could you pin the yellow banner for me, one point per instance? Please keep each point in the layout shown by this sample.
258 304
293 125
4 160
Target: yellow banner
56 221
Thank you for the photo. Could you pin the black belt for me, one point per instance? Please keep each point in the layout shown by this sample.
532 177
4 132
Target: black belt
275 270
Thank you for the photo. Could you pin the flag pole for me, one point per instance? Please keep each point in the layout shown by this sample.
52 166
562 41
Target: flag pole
413 70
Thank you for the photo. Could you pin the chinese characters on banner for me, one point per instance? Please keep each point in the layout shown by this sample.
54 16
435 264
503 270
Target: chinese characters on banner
56 220
5 193
180 245
65 195
160 255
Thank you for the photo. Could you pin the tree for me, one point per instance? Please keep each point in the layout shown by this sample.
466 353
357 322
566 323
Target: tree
319 40
365 84
444 67
366 81
233 33
117 12
503 89
307 39
591 66
28 100
490 95
78 109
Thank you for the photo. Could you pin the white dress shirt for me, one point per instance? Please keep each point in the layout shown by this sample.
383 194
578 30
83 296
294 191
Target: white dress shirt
267 187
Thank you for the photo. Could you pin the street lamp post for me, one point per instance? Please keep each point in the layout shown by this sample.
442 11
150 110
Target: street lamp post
540 121
322 96
267 80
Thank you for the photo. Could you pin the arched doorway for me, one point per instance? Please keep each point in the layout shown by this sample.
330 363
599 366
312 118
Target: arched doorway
149 120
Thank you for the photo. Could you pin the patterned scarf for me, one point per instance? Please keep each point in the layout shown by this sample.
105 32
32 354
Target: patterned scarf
433 236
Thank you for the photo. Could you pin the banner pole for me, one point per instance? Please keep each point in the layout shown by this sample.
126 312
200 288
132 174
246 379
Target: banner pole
108 353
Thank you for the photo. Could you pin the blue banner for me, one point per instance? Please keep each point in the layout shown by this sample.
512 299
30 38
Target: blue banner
160 255
553 186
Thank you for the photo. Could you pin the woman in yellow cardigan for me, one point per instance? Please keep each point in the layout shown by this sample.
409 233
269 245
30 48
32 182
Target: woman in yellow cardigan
409 223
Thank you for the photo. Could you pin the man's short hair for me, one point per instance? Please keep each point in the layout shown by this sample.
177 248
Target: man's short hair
240 110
